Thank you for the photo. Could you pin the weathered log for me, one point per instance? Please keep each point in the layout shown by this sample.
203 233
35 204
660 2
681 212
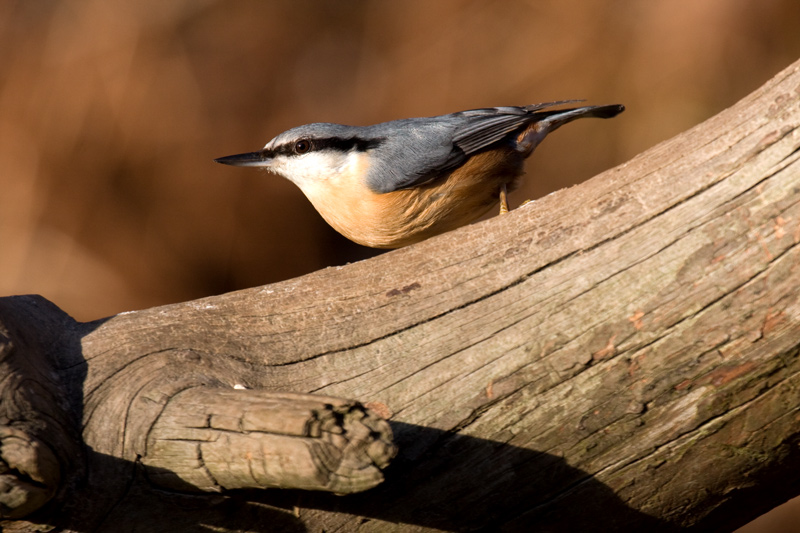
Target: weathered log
623 354
195 435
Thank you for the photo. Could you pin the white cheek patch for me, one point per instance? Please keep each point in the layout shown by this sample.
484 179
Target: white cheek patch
313 166
309 171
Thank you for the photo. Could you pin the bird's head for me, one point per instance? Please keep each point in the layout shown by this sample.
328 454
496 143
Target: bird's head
312 154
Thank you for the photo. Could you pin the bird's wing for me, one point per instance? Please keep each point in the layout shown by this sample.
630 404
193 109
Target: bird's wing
485 127
463 134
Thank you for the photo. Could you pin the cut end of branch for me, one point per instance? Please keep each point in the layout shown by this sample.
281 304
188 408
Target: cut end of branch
222 439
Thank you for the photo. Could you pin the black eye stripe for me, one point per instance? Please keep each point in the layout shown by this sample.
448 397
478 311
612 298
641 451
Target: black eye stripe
345 145
329 143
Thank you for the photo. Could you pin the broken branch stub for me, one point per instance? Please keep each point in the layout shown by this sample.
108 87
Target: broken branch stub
210 439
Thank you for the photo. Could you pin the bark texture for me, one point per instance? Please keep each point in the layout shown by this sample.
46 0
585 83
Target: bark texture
621 355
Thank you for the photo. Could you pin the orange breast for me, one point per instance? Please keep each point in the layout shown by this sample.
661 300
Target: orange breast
403 217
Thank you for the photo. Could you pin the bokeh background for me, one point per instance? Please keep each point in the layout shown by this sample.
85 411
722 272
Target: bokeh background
112 111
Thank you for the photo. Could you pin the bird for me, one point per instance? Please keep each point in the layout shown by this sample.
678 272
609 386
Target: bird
397 183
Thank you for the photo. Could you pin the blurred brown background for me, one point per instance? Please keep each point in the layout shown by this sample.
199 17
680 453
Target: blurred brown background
111 113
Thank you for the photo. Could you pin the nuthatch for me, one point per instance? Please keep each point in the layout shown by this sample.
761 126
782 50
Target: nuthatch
397 183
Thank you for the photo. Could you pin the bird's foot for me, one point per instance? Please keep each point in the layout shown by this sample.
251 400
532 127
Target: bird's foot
503 200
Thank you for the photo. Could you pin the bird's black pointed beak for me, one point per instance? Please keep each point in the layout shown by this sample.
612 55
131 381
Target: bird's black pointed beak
251 159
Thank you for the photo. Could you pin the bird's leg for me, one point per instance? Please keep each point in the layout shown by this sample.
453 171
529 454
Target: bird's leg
503 199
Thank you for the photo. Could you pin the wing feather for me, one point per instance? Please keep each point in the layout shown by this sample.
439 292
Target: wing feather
461 135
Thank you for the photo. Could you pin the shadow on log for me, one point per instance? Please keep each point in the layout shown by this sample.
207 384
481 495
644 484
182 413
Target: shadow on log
624 354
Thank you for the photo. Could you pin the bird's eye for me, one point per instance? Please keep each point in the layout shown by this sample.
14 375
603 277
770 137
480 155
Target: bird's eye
302 146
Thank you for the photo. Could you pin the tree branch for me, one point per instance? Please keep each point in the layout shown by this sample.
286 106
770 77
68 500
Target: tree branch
295 441
622 354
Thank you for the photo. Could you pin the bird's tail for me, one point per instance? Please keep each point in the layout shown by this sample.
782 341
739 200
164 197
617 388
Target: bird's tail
547 121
